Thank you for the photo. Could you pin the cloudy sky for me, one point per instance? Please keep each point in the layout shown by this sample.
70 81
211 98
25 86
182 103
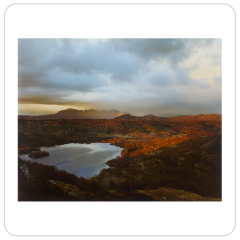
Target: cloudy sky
139 76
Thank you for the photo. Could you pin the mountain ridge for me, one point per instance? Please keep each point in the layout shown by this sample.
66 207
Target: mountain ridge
202 117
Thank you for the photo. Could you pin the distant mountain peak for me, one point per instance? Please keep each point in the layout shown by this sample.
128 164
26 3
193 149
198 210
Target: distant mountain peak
126 116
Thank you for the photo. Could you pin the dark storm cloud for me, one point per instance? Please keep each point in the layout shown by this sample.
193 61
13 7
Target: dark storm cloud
148 49
48 100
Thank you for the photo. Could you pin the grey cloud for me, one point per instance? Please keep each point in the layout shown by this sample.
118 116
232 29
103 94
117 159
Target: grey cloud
216 59
160 78
82 82
132 74
73 59
180 76
218 79
198 42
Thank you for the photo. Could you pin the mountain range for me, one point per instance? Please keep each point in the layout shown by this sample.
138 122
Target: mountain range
114 114
75 114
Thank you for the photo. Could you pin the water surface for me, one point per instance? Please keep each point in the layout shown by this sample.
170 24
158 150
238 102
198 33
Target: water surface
84 160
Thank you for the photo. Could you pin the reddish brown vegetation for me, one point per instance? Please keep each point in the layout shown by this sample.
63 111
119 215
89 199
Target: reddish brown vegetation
139 148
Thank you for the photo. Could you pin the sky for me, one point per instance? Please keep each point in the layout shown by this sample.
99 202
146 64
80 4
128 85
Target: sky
163 77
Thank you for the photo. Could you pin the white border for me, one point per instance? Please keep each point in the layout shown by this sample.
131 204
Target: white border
119 21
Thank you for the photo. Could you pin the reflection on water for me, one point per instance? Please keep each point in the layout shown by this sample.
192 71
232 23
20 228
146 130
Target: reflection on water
84 160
